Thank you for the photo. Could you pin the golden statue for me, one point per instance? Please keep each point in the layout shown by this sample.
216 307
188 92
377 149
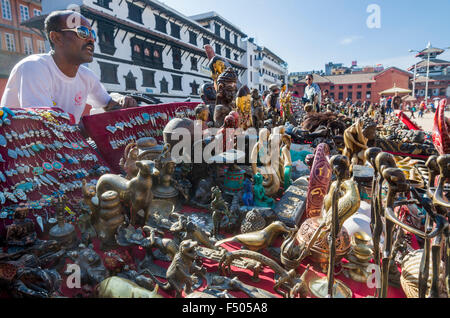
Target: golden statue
244 107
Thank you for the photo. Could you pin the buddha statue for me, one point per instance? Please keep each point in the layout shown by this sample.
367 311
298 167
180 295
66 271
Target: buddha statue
165 188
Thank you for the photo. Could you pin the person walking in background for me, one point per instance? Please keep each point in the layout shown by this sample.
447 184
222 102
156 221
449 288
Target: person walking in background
413 110
421 110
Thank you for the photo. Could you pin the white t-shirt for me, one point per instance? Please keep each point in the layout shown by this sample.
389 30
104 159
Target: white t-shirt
36 81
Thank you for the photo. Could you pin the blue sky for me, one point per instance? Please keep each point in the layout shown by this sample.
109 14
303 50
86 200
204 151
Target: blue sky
308 34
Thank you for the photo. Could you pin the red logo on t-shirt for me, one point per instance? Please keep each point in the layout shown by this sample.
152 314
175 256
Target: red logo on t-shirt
78 99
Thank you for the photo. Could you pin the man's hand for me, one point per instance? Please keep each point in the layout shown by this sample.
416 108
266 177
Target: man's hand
119 102
127 102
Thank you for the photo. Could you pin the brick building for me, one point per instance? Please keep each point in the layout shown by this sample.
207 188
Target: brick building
17 41
361 86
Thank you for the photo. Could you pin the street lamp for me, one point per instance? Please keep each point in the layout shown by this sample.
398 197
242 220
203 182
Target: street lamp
415 74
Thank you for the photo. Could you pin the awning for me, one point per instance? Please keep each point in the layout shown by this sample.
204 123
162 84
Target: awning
396 90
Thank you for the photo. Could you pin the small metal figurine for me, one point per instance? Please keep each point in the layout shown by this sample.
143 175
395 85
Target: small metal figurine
202 114
208 96
273 104
63 232
179 274
128 161
261 200
219 208
247 197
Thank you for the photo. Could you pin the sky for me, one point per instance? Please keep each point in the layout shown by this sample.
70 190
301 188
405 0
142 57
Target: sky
307 34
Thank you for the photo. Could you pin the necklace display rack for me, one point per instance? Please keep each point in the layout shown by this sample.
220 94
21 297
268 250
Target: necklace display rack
113 131
43 157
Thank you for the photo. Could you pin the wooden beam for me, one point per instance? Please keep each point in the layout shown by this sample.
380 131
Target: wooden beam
123 39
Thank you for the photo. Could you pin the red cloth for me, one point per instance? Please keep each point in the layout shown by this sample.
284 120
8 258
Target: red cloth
441 138
95 126
407 121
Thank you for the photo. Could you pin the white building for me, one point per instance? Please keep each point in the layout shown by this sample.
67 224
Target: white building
147 47
264 68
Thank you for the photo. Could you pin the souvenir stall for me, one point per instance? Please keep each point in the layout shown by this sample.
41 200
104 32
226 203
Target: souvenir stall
140 223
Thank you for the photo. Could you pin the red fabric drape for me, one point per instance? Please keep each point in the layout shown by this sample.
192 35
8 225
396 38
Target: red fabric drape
95 126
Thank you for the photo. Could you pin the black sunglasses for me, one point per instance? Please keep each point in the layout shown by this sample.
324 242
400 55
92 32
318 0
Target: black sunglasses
82 32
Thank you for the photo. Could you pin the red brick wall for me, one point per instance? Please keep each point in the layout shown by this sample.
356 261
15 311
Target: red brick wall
388 79
15 22
383 81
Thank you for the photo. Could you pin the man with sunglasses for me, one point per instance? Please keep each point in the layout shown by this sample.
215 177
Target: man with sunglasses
59 78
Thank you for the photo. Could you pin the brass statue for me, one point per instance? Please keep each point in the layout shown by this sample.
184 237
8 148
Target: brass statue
202 114
259 240
226 93
244 108
110 218
136 192
208 96
128 161
219 208
257 109
273 104
180 272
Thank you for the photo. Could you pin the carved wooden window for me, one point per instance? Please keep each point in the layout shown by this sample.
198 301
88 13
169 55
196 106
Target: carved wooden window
130 82
177 83
176 55
108 73
217 29
206 41
192 37
175 30
194 64
135 12
164 85
103 3
228 53
148 78
194 87
227 35
218 49
161 24
106 38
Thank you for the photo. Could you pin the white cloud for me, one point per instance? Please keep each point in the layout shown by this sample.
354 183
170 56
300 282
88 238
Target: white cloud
350 39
